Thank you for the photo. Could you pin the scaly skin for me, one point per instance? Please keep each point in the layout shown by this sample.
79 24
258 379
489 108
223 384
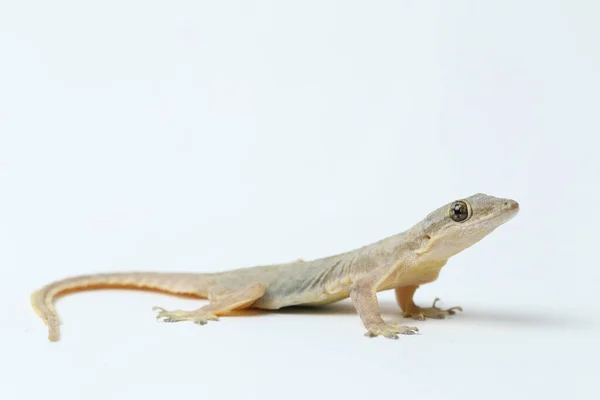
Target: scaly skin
401 262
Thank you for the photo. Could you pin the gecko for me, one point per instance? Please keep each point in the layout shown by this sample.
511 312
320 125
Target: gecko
402 262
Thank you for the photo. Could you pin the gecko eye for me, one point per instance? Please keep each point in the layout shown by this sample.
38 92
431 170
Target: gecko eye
459 211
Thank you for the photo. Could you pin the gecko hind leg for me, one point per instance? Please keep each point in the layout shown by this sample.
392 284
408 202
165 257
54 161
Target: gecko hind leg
233 300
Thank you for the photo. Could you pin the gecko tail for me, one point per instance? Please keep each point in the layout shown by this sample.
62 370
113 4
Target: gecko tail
42 300
47 312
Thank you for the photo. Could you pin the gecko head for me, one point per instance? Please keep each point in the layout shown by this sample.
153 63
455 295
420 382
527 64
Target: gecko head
462 223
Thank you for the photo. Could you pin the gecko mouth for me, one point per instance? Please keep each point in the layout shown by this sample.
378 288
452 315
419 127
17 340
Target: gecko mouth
511 210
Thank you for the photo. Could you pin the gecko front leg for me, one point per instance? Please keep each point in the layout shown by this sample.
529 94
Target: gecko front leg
364 297
404 298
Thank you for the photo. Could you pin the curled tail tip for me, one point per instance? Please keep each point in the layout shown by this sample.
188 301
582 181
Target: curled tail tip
47 314
53 335
53 329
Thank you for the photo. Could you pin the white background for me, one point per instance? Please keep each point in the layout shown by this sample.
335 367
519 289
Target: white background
204 135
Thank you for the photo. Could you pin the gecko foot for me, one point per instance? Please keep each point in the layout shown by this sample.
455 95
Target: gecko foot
390 330
197 316
420 313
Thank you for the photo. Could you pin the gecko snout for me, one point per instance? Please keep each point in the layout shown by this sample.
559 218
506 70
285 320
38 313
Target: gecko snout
511 205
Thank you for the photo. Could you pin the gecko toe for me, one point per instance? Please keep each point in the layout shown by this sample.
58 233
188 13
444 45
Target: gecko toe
199 317
390 331
453 310
433 312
